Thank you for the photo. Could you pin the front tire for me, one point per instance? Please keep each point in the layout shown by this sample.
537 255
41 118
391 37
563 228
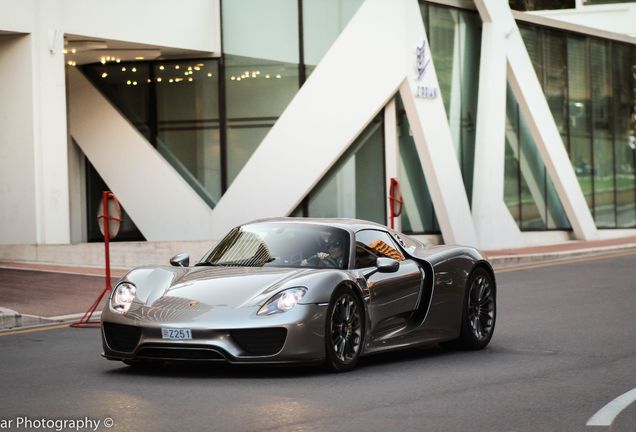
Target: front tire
479 311
344 332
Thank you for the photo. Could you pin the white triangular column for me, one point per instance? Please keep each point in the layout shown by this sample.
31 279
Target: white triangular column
535 110
494 224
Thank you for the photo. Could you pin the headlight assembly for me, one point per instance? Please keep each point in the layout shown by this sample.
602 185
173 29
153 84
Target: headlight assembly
122 297
283 301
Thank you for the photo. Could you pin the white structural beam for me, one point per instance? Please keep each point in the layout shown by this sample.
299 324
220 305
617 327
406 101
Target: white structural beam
535 110
391 157
494 224
157 198
347 89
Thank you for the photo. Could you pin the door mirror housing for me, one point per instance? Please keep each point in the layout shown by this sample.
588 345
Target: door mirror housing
387 265
180 260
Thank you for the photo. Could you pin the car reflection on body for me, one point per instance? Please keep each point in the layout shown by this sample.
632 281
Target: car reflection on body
296 290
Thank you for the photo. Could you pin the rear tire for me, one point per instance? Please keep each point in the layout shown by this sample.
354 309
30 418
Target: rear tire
479 312
344 332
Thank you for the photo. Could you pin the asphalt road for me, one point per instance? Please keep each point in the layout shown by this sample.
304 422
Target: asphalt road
564 346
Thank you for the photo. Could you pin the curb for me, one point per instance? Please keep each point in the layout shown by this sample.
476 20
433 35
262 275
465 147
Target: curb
11 320
503 261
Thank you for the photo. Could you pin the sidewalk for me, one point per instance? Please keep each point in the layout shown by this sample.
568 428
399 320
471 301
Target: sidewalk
507 257
32 293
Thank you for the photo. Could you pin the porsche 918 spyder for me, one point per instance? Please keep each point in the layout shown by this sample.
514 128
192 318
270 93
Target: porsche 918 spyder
298 290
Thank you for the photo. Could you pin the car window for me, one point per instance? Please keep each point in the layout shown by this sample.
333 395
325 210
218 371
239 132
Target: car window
281 245
364 257
372 244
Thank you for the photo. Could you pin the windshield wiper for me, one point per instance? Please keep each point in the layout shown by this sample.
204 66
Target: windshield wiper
206 264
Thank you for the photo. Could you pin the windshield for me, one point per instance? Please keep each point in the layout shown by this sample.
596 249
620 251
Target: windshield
282 245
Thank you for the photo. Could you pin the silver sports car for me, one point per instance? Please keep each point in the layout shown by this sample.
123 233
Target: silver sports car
296 290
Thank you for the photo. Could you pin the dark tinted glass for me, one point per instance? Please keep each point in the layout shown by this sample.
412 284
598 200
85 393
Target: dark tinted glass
379 243
282 245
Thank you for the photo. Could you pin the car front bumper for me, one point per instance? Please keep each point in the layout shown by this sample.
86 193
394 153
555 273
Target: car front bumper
234 335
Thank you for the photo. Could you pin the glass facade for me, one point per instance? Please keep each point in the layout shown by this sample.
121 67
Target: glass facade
261 61
531 5
322 23
208 116
353 187
175 106
590 86
598 2
418 213
528 191
455 40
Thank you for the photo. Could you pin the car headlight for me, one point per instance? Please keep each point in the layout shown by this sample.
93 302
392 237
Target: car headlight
283 301
122 297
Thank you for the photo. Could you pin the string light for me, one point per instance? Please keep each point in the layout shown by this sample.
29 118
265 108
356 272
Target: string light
104 75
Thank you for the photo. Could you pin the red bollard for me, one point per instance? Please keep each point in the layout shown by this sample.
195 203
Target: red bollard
85 321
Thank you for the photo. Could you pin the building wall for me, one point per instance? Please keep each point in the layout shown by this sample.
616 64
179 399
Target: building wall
35 191
617 18
17 172
265 62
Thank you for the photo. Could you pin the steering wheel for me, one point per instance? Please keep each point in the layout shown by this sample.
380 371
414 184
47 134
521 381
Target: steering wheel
326 262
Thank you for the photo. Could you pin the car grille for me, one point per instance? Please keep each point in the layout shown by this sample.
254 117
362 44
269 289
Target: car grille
265 341
179 353
121 337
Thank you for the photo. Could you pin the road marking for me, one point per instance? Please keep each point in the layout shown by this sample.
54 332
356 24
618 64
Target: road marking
606 415
32 330
564 261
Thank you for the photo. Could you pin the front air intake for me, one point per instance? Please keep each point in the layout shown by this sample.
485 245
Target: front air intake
266 341
121 337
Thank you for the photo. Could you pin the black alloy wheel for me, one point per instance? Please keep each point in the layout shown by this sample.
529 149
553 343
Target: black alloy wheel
345 330
480 310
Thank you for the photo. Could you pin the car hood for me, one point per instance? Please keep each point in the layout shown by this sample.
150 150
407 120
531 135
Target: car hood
211 287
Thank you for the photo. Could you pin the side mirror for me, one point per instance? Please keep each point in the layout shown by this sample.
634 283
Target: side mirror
387 265
180 260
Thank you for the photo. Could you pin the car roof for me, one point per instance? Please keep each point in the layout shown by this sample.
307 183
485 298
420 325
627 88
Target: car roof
343 223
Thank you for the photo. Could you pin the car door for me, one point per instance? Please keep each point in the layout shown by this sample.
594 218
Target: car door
394 296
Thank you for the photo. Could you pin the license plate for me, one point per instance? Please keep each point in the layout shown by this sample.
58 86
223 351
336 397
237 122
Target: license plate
176 334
